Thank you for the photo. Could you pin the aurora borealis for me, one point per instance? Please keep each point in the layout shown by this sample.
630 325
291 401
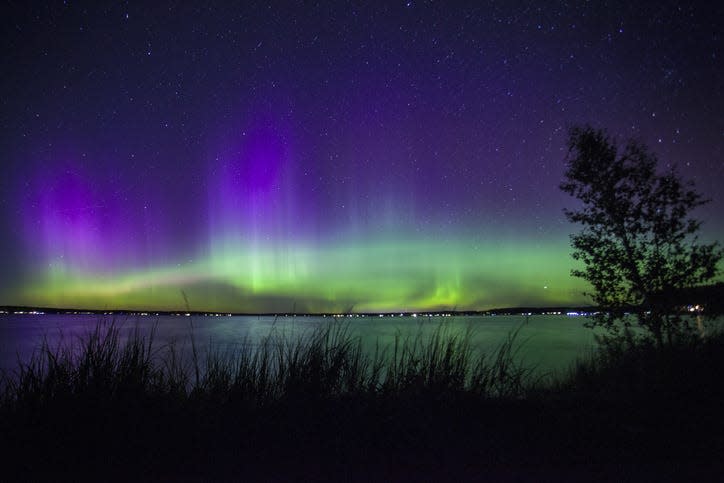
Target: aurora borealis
330 157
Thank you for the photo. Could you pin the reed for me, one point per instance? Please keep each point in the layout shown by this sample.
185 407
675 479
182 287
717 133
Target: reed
428 400
327 362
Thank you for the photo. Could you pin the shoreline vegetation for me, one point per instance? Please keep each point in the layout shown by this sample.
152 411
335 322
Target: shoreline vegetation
318 407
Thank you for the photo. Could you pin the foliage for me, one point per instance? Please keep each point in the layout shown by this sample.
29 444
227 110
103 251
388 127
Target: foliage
639 243
630 368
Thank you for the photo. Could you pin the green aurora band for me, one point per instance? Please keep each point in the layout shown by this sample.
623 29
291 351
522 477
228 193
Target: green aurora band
376 275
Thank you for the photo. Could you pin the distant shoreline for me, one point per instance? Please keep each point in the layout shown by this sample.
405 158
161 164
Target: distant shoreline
557 310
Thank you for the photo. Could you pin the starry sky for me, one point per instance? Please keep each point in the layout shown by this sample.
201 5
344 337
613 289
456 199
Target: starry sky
330 156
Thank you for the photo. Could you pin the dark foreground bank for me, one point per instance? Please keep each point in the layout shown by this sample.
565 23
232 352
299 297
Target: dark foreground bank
321 409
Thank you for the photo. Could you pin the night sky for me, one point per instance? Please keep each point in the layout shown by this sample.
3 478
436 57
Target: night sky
330 157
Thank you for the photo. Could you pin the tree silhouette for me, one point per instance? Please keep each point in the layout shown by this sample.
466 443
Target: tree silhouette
639 244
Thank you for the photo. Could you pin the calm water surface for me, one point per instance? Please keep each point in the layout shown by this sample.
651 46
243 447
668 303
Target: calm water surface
547 342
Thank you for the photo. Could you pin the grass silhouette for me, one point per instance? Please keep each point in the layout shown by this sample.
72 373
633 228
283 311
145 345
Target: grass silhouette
318 406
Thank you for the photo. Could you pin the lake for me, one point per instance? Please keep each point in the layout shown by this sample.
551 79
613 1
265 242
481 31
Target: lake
549 343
